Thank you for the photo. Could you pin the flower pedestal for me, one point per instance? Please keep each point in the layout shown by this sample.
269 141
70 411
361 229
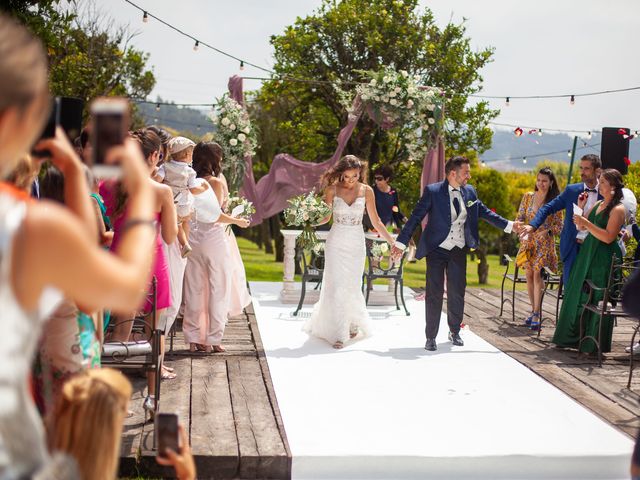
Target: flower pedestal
290 293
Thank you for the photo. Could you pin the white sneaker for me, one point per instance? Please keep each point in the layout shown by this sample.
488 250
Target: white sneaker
636 349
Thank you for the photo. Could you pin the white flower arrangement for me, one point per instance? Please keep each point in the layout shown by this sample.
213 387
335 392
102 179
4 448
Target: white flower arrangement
306 211
239 207
397 96
231 118
378 249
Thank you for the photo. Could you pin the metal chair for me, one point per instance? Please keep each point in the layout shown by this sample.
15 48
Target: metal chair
142 351
554 287
513 278
312 264
393 272
606 301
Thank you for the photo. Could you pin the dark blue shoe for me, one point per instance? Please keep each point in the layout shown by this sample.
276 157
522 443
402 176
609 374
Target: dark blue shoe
529 319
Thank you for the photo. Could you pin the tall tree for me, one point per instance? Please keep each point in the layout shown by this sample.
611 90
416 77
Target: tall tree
88 57
338 42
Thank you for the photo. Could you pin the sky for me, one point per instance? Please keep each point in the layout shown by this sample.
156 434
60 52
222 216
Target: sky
541 47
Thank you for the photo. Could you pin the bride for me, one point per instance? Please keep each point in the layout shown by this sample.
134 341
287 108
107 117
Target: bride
341 311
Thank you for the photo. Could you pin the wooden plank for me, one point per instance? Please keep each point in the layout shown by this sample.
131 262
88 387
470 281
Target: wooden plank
132 429
262 452
213 432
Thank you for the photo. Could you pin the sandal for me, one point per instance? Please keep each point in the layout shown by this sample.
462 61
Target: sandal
535 325
193 347
338 345
353 333
218 349
204 348
167 375
529 319
168 369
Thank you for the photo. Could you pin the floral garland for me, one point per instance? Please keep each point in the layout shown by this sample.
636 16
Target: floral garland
394 98
236 136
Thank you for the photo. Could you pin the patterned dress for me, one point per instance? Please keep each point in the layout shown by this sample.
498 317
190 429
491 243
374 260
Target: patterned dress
541 248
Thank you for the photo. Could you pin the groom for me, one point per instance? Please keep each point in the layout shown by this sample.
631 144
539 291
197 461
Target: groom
453 208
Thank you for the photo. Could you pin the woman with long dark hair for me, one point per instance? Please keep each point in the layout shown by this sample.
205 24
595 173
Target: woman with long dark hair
208 278
341 312
539 247
600 248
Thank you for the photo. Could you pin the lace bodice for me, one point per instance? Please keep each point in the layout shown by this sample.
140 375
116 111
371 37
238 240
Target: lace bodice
345 214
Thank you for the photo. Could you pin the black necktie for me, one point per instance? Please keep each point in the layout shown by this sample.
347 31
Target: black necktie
456 202
590 190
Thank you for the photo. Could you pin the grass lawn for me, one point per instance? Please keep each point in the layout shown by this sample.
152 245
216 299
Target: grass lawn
262 267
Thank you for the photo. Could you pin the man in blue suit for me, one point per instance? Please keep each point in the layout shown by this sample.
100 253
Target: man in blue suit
570 238
453 208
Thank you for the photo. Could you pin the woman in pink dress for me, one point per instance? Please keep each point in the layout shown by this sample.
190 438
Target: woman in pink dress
115 200
208 282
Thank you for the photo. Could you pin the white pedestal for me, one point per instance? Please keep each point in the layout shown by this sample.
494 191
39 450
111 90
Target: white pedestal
290 293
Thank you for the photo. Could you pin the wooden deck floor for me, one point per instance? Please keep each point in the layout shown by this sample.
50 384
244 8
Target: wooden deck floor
602 390
227 403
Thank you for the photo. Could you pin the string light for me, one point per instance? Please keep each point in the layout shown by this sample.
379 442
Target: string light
145 17
524 159
568 153
196 45
589 135
241 65
483 163
506 102
573 100
539 132
157 107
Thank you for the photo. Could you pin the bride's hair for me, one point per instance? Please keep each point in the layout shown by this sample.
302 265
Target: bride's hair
348 162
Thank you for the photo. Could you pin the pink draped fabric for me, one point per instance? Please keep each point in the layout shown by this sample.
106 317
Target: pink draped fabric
432 169
289 176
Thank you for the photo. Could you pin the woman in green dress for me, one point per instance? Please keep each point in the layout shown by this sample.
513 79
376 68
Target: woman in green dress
593 263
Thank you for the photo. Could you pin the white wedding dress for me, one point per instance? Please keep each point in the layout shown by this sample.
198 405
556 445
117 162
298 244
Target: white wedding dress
341 309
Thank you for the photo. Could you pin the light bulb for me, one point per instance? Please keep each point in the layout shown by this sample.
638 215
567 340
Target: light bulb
589 135
241 65
539 132
157 107
145 17
506 102
196 45
568 153
524 159
573 100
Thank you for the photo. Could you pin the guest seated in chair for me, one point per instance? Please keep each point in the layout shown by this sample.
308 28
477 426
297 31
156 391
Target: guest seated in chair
539 246
603 223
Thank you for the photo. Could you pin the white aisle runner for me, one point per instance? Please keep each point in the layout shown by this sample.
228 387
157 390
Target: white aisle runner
383 407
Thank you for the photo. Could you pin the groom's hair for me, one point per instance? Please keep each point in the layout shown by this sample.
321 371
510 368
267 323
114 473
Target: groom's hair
454 163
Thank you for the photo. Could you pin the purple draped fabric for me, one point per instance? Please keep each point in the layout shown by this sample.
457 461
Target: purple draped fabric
289 177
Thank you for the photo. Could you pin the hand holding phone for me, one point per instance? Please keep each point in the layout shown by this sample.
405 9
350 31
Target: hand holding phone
59 149
180 459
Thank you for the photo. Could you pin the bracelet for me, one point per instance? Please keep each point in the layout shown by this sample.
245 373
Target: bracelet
134 222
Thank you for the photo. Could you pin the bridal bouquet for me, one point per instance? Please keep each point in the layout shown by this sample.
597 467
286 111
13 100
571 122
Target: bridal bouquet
240 207
378 249
306 211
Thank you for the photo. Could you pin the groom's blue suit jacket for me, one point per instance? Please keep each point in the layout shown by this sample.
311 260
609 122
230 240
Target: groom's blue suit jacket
435 202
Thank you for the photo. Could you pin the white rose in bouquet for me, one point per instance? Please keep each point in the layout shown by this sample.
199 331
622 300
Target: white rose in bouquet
431 121
247 130
410 104
373 82
233 142
393 101
225 121
232 126
242 137
392 93
397 89
431 107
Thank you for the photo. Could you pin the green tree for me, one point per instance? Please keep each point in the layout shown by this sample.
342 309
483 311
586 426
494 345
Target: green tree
338 42
86 59
493 190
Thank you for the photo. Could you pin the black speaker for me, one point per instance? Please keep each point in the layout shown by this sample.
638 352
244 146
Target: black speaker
614 149
71 116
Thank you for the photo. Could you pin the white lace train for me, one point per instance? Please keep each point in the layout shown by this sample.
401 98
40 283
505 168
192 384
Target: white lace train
341 308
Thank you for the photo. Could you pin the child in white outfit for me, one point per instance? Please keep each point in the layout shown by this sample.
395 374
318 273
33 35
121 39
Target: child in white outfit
178 174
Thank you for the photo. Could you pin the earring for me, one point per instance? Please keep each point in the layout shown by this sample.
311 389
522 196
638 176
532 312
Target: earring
613 192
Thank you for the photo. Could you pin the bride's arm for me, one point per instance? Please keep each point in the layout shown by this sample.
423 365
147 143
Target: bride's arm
329 194
373 215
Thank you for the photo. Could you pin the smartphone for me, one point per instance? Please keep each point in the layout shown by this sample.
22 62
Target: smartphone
49 130
167 432
109 125
70 116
